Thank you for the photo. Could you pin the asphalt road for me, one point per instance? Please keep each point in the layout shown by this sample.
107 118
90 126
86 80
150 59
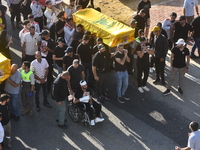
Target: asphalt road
148 121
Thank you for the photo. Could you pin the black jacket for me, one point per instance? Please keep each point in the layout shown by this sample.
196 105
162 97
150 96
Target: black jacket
60 89
161 47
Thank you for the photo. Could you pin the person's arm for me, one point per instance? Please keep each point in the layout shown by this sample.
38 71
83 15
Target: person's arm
83 75
12 82
171 61
49 15
23 50
185 148
197 10
69 87
187 63
184 11
165 49
94 71
56 58
123 60
64 66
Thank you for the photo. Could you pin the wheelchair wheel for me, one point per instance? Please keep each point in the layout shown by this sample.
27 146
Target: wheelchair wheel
74 112
86 119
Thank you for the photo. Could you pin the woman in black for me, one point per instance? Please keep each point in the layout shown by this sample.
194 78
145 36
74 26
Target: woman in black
143 50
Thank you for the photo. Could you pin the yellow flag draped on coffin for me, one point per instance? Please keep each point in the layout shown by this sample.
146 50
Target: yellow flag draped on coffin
5 70
112 31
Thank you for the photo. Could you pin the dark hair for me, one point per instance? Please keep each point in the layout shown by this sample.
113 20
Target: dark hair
142 38
86 37
194 125
30 16
79 26
120 45
78 6
32 27
47 2
4 97
99 39
27 64
87 33
173 14
69 19
159 24
26 22
90 6
60 14
98 9
140 31
143 11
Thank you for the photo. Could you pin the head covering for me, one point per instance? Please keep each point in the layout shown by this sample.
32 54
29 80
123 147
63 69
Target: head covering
134 21
182 18
82 82
60 40
69 49
44 32
101 46
180 42
155 28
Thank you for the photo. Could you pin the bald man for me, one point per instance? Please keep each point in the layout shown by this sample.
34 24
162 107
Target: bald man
12 87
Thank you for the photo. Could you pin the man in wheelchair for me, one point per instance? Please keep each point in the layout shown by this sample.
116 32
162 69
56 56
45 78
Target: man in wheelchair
85 102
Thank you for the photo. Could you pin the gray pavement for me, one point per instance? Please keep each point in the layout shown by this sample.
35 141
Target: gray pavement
148 121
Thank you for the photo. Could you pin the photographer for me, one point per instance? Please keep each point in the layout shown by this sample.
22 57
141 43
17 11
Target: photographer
143 50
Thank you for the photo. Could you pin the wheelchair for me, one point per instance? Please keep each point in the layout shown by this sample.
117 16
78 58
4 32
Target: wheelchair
78 115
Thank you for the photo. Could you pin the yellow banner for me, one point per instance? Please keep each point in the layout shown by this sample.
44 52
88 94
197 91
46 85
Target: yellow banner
5 70
112 31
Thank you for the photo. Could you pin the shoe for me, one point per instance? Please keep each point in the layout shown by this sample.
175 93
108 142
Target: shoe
17 118
38 109
193 56
92 123
180 91
13 25
31 112
163 83
167 92
105 97
151 70
156 81
120 99
140 89
24 112
8 143
96 120
64 126
47 105
146 88
126 98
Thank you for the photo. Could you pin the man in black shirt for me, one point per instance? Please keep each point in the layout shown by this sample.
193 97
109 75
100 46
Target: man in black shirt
100 69
77 74
48 46
60 24
196 24
95 49
181 30
5 111
141 20
146 5
121 60
160 47
68 58
61 93
178 65
59 53
84 52
83 99
78 35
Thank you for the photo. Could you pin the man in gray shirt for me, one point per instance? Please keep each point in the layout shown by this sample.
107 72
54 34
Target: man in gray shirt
12 87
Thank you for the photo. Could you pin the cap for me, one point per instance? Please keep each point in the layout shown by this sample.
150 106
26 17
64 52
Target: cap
75 61
69 49
180 42
182 18
101 46
133 21
44 32
155 28
60 40
82 82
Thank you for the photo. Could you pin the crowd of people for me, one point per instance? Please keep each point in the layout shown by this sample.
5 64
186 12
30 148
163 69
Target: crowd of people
51 40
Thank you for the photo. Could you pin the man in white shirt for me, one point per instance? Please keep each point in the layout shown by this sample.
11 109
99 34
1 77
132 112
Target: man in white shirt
40 68
69 10
14 8
188 9
24 30
36 8
51 15
69 31
194 138
33 23
30 44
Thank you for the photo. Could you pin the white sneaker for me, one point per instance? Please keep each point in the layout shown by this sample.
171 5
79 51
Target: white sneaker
96 120
151 70
141 90
92 123
146 88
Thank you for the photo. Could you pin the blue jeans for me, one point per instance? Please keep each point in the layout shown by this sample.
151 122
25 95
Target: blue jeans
122 83
37 92
14 104
61 111
196 44
58 68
